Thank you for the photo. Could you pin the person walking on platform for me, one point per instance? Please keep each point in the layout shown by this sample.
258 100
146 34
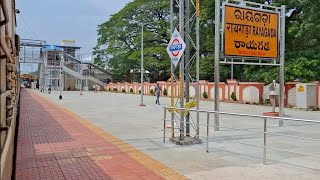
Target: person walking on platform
158 91
49 89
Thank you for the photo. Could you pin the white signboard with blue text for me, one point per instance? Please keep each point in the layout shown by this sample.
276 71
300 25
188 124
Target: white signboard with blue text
176 47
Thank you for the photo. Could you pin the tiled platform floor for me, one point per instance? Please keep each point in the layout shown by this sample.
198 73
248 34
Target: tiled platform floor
54 143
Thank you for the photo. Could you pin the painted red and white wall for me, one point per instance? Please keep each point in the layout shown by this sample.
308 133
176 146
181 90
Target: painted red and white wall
247 92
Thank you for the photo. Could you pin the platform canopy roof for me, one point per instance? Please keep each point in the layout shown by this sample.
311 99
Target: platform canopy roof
52 48
58 48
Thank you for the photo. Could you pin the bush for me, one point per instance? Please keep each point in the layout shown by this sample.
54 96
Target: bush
131 90
115 89
165 92
205 95
151 92
123 90
233 96
139 91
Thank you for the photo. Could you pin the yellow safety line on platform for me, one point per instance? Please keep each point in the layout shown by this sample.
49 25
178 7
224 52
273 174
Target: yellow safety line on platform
146 160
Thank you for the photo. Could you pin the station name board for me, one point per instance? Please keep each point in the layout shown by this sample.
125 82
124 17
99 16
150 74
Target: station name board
250 33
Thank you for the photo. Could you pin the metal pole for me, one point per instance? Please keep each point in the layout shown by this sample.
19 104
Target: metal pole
24 57
172 71
63 78
265 142
181 27
164 125
60 84
216 64
81 79
207 143
142 88
81 87
282 59
197 64
187 59
232 69
274 98
87 86
45 71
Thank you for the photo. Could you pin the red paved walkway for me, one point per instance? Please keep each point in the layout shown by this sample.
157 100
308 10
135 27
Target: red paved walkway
56 144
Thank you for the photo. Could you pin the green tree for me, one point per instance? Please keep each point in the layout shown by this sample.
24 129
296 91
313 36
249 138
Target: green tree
120 38
302 58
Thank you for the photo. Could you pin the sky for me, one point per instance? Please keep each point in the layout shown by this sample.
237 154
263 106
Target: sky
57 20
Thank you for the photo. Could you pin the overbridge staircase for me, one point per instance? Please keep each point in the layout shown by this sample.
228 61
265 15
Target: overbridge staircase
76 72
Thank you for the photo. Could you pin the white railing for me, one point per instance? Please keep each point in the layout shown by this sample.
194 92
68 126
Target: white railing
265 131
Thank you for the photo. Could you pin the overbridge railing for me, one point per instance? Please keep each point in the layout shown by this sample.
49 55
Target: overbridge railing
264 132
